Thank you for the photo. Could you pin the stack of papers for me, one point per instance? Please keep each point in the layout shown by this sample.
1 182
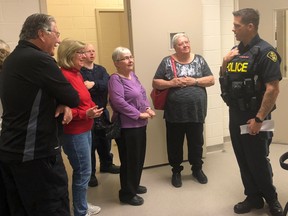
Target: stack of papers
267 125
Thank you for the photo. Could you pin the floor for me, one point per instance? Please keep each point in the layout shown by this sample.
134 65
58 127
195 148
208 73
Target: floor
216 198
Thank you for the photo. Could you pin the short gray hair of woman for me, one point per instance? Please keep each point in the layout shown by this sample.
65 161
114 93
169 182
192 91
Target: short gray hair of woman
66 52
176 36
118 52
33 24
4 51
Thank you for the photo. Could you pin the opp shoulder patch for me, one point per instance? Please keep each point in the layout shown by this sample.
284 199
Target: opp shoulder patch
272 55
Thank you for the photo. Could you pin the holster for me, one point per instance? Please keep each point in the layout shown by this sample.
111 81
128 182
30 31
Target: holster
223 80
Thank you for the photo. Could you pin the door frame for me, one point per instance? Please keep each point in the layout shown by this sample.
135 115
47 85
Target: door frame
280 28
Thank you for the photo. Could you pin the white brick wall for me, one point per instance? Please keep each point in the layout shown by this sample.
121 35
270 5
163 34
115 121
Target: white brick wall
218 39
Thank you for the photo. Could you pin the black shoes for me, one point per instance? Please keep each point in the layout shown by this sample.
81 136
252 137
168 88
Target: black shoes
248 204
200 176
93 181
110 169
135 201
141 190
176 180
257 203
275 208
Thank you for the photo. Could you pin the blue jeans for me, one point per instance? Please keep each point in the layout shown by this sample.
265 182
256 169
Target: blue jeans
78 149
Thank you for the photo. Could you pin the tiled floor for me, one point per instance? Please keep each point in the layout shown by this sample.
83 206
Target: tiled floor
216 198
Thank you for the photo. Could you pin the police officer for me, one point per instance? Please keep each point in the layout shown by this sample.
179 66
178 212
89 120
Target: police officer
249 79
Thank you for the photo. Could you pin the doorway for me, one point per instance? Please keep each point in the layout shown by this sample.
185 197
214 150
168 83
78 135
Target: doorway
112 31
281 30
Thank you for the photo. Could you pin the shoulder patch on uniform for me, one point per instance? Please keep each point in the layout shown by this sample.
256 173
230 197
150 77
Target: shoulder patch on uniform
272 55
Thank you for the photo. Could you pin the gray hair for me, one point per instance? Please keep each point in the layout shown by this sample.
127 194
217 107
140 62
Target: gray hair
248 15
118 52
33 24
4 51
176 36
66 52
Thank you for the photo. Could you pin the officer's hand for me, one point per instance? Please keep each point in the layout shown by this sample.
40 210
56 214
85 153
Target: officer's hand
231 54
253 126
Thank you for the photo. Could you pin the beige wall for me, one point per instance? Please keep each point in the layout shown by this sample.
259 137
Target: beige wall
266 9
151 42
12 15
112 31
201 20
76 19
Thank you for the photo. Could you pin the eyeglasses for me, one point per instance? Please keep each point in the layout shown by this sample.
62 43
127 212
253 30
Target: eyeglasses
126 58
57 33
81 52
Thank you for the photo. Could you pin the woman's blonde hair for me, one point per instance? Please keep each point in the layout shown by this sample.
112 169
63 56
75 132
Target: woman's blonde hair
66 52
4 51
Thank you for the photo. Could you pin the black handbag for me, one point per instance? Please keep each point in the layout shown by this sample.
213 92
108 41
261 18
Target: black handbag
113 130
101 122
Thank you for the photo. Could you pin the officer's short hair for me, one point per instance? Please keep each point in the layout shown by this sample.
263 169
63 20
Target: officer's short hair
33 24
248 15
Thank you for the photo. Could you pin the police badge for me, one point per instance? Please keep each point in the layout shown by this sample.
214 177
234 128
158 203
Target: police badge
272 55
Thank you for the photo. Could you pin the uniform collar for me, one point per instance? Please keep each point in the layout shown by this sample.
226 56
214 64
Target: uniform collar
253 42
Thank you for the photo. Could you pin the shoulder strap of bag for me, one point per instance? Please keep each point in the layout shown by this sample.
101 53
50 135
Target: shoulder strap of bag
173 66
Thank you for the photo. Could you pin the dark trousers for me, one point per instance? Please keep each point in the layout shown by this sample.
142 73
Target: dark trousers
175 134
4 208
38 187
102 145
132 150
252 156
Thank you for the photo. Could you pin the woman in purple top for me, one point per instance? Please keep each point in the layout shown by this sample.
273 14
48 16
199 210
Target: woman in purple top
128 99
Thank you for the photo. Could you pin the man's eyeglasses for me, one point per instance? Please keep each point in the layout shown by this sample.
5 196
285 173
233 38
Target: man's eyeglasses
57 33
126 58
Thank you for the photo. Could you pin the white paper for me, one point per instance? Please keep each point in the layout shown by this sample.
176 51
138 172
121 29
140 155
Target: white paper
267 125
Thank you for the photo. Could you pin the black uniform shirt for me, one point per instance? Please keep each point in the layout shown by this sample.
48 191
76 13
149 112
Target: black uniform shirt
268 60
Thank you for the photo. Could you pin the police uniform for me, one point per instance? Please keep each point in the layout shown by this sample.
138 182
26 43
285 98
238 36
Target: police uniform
242 88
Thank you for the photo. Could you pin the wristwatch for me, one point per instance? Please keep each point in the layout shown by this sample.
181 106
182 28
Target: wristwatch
258 120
